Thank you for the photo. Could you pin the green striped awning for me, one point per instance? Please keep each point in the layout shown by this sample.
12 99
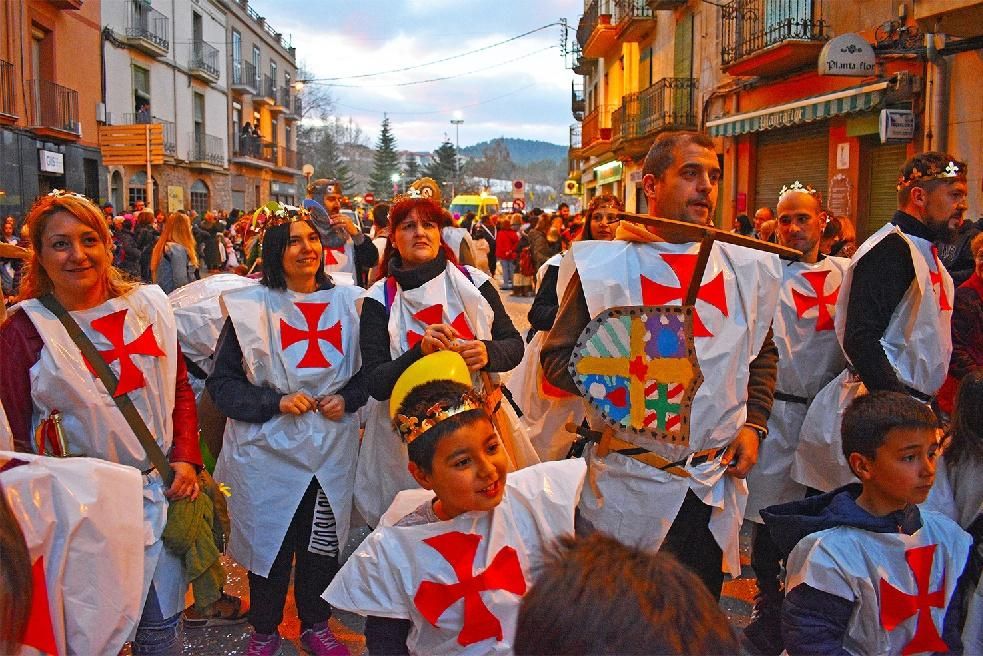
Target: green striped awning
815 108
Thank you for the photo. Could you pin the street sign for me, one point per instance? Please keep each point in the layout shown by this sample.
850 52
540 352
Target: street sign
518 204
369 198
518 189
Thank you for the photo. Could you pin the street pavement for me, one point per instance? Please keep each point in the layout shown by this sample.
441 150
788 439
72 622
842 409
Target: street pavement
735 601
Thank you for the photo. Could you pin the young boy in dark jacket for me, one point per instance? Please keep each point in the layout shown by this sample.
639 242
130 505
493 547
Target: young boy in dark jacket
867 572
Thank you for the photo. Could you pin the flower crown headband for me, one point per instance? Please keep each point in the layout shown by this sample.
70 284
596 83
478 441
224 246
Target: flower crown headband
799 187
426 188
274 214
411 427
64 193
952 170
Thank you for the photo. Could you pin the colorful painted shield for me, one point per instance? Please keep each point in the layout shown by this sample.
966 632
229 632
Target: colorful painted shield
637 367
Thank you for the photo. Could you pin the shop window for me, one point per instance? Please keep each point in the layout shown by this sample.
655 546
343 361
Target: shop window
136 190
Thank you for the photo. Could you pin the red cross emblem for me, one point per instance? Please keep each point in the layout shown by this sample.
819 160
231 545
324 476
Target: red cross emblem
313 356
898 606
683 265
130 376
435 314
329 256
937 284
39 632
805 302
504 573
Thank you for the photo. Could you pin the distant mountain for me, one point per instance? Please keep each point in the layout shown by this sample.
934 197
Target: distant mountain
522 151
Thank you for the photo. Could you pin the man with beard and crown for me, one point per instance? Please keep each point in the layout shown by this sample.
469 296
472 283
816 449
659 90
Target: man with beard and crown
346 250
808 357
286 374
678 364
425 301
893 313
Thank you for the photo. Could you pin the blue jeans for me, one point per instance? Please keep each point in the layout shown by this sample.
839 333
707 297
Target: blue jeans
157 635
508 269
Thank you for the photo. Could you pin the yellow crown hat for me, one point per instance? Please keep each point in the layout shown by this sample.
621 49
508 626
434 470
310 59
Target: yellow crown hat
442 365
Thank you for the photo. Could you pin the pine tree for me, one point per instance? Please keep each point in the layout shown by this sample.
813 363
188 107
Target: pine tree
385 162
443 166
318 146
411 168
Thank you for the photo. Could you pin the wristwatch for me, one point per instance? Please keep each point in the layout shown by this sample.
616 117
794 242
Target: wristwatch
762 432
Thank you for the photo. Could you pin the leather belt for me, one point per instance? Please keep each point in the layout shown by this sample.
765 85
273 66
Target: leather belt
609 443
791 398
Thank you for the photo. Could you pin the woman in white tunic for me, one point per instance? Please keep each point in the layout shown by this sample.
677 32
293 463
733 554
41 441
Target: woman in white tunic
423 302
286 377
133 328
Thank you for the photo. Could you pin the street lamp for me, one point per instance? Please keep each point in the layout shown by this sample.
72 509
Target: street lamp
456 122
395 178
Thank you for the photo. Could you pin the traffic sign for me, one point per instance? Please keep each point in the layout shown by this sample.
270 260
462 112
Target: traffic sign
518 189
369 198
518 204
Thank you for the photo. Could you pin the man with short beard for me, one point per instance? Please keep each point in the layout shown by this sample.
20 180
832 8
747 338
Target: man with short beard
346 249
893 313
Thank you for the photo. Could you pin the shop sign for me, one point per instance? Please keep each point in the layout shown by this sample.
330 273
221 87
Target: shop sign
847 55
838 203
51 162
175 198
281 188
635 177
607 173
897 125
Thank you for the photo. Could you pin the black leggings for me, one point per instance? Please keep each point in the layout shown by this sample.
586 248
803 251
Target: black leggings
691 542
314 573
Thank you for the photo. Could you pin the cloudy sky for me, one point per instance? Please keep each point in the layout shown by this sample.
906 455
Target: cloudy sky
518 89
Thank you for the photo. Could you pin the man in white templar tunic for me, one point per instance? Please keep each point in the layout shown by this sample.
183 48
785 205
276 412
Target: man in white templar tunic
808 357
893 313
710 423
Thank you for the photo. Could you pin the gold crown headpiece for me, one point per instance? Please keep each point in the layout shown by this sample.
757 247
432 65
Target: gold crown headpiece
411 427
426 188
274 214
798 186
953 170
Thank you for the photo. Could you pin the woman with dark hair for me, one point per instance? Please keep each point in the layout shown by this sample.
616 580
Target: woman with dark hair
547 409
286 375
47 381
743 225
423 302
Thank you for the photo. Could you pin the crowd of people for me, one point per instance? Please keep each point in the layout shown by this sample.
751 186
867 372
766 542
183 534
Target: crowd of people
576 490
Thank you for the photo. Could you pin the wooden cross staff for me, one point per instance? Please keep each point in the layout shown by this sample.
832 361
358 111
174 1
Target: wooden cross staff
681 232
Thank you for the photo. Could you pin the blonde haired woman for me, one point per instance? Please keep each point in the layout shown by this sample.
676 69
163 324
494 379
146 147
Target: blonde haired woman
174 262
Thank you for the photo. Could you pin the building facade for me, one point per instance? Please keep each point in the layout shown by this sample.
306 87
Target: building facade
164 66
262 70
747 72
49 99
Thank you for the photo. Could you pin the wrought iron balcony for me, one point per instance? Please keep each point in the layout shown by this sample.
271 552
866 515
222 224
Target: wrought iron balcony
281 99
267 90
147 28
170 130
576 130
204 61
256 149
288 159
244 78
298 110
596 132
206 149
577 102
766 37
595 33
7 89
657 5
634 18
51 106
669 104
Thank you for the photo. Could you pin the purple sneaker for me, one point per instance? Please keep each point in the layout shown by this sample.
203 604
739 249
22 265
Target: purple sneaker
320 641
264 644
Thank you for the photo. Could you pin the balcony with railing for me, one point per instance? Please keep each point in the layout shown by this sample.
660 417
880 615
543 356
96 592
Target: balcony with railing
255 151
147 29
169 128
267 91
659 5
669 104
204 61
288 159
281 99
297 111
53 109
244 77
634 19
206 150
768 37
574 154
577 102
581 65
596 134
7 92
595 32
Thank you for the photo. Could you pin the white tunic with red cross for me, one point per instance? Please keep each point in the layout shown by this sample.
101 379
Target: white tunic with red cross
460 581
452 298
809 356
340 259
135 334
291 342
900 585
917 343
734 307
81 520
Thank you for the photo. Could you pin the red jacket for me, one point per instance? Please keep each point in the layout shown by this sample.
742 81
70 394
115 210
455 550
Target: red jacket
506 243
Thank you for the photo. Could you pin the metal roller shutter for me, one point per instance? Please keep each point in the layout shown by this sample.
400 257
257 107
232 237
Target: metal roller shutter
884 165
784 156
